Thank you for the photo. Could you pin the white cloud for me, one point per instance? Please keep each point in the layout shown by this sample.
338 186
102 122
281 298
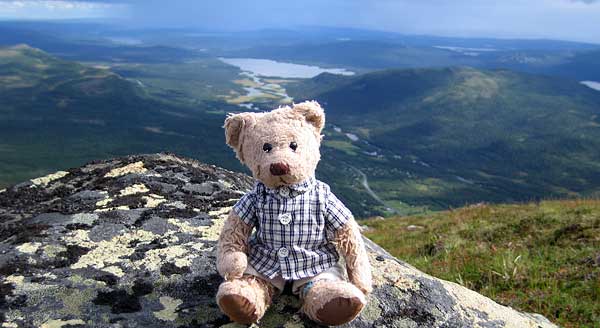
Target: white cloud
59 9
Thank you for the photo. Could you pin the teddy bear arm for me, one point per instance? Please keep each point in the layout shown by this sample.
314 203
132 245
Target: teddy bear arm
349 242
232 247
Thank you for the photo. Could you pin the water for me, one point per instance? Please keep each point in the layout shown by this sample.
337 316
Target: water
474 52
257 70
125 41
592 84
352 136
272 68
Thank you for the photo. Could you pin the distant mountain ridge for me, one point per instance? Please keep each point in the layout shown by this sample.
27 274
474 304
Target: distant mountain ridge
356 49
560 58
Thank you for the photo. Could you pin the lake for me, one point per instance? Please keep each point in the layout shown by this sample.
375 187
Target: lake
592 84
263 79
272 68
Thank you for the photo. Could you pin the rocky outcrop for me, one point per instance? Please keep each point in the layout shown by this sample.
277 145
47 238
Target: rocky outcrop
130 242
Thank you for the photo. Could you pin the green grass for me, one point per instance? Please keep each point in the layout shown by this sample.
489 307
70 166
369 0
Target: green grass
538 257
347 147
188 83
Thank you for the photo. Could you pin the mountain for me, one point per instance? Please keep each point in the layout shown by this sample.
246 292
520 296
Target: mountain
86 42
55 114
355 49
131 242
359 55
567 59
402 141
540 257
445 137
583 65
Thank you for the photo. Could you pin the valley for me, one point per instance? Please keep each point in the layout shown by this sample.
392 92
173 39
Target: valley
447 137
397 141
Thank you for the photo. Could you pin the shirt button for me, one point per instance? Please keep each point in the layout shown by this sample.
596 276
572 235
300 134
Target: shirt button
283 252
285 192
285 218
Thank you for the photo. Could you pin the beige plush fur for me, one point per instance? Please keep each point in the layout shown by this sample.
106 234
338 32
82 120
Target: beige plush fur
246 133
328 302
233 247
324 292
350 244
256 291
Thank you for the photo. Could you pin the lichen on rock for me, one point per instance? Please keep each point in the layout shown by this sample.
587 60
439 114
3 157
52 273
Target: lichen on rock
130 242
45 180
137 167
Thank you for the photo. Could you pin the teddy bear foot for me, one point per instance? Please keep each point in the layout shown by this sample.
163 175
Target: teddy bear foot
333 303
244 300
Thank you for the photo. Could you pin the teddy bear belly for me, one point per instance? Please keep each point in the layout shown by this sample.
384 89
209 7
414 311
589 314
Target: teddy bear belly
292 262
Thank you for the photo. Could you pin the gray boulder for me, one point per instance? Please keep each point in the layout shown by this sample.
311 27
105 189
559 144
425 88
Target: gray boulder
130 242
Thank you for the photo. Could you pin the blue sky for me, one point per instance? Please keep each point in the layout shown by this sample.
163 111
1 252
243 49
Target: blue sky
557 19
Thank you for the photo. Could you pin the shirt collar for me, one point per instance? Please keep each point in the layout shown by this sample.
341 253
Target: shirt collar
290 190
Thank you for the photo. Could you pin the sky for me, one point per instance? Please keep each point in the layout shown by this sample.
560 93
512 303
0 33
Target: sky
576 20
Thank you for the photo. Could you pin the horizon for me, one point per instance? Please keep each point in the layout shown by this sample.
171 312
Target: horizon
297 28
567 20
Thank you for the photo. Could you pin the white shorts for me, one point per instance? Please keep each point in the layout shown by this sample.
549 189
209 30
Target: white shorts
302 286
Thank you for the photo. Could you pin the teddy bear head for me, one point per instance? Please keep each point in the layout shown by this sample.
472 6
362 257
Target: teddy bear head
280 147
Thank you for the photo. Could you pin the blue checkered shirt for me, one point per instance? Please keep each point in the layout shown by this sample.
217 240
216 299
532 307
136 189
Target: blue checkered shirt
295 227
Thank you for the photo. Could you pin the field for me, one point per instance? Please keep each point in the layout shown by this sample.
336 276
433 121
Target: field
189 82
538 257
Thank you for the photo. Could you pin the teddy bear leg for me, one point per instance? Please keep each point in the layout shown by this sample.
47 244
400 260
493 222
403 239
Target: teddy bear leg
245 300
333 302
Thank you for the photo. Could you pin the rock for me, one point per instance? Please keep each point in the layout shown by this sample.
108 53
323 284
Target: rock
130 242
413 227
364 228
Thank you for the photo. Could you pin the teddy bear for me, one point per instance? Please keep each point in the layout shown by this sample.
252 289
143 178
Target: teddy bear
290 229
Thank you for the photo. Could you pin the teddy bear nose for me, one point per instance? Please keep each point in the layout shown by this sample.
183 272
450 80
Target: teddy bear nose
279 169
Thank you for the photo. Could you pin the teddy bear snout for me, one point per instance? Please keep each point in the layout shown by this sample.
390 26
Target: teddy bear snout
279 169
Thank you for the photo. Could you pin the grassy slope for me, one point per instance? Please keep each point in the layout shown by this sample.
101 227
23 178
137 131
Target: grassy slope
56 114
538 257
190 83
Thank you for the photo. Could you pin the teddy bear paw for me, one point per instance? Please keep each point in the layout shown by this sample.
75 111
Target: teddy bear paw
238 309
333 303
244 300
339 311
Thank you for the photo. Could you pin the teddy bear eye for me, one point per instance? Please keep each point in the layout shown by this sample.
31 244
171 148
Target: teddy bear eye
293 145
267 147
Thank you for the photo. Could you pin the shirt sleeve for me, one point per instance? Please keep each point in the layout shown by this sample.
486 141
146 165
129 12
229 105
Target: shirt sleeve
245 208
336 212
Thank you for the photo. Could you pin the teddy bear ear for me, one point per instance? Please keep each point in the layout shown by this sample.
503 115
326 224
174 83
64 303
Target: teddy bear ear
234 127
312 112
